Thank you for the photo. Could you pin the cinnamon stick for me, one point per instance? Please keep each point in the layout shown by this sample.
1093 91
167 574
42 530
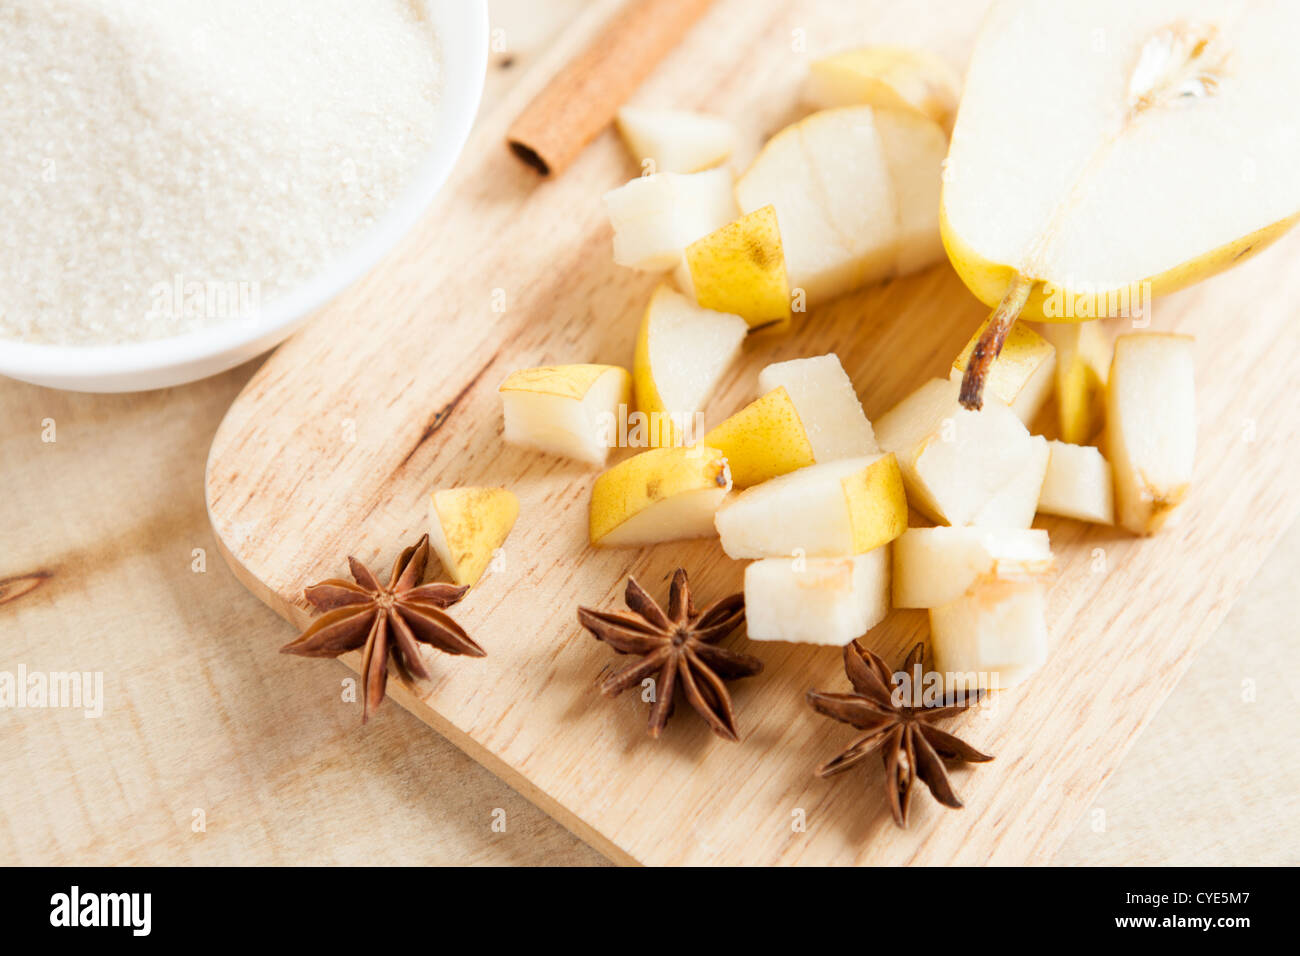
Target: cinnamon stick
582 99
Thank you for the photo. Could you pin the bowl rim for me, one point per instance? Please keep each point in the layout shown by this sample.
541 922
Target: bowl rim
463 34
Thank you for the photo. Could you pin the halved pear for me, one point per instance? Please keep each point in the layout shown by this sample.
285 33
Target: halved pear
837 509
676 141
1022 374
569 410
1077 485
656 217
1015 505
1177 165
993 637
936 566
816 600
827 405
1151 427
664 494
1083 353
467 525
856 196
954 461
740 269
889 77
682 352
764 439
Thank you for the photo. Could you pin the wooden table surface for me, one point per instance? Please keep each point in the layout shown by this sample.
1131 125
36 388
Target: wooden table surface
214 749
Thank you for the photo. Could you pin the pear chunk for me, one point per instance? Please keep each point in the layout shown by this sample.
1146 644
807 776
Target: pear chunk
856 197
816 600
656 217
1151 427
569 410
914 150
1083 354
991 638
827 179
676 141
1017 503
936 566
1021 375
764 439
467 526
740 269
682 352
1077 485
808 414
837 509
888 77
954 461
985 589
827 405
665 494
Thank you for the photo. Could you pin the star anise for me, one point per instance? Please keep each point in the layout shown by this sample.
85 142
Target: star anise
908 740
392 619
677 648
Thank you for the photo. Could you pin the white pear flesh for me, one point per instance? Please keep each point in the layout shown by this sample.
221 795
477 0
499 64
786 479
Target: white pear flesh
656 217
1151 427
991 638
681 355
679 518
1017 503
835 204
1172 112
827 601
812 512
1078 484
676 141
567 410
914 149
827 404
936 566
955 461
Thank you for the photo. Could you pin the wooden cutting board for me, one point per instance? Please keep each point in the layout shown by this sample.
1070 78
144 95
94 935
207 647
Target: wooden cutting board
336 442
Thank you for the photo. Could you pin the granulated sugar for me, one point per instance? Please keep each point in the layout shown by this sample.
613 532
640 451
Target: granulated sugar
151 145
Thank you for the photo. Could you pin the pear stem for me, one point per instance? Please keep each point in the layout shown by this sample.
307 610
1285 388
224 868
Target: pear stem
989 347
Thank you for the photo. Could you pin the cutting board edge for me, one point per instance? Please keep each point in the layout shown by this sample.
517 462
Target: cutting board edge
412 703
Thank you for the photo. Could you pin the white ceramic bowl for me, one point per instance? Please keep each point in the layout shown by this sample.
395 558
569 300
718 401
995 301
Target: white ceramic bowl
463 30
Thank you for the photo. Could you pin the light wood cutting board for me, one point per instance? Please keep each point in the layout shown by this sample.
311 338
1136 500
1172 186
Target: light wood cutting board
335 443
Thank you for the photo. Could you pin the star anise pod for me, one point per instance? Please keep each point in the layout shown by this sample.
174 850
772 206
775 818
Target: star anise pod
392 619
677 648
905 735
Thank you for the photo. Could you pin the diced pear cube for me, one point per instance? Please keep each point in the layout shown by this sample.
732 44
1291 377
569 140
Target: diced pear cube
816 600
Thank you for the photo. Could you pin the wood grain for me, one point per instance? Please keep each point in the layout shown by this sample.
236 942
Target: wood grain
113 511
337 439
